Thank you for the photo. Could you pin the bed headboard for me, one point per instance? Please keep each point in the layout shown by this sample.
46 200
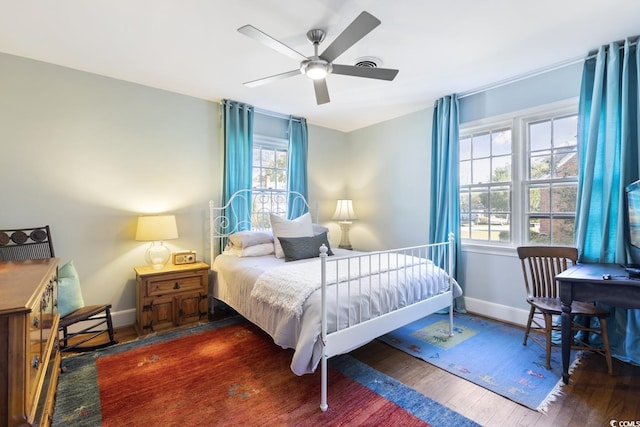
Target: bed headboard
225 220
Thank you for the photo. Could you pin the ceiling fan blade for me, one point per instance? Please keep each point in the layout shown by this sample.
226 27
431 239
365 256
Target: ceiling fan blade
360 27
256 34
371 73
274 78
322 93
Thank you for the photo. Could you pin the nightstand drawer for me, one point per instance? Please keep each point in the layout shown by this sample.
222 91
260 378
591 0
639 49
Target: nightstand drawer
175 283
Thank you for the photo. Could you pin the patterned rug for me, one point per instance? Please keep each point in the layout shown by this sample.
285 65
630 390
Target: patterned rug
489 354
229 373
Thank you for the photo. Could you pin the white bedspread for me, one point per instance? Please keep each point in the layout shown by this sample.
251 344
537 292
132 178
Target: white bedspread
236 278
288 286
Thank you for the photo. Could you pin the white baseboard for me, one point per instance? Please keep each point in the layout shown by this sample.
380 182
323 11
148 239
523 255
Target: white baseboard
505 313
124 317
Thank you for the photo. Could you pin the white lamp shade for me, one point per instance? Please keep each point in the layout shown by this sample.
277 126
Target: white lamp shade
344 211
157 228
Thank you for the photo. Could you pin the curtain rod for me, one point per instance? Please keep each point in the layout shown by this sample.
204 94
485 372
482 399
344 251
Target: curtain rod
276 115
267 112
521 77
592 54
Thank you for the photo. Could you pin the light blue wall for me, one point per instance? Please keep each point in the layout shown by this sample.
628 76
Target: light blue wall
87 154
389 184
494 279
270 126
545 88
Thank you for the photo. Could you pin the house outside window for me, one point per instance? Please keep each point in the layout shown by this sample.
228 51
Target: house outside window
519 178
552 180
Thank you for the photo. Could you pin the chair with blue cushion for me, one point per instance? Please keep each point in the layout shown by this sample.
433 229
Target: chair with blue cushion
86 322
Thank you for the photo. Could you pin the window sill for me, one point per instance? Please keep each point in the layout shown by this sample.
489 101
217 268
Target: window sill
487 249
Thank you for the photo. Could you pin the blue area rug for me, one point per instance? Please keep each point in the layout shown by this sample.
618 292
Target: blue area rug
489 354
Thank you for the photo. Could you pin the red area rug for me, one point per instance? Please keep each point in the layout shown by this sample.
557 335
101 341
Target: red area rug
229 373
229 376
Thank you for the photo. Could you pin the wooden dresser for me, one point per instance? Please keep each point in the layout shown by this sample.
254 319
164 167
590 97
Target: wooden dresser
172 296
29 356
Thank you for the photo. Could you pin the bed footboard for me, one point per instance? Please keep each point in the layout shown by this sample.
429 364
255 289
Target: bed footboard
393 288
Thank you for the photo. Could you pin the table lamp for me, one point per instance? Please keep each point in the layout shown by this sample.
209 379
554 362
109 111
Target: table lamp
344 215
156 229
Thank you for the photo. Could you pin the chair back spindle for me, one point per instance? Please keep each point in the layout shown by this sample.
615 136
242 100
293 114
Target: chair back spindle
540 265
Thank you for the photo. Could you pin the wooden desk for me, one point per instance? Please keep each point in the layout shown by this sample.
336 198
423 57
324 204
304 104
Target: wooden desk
585 282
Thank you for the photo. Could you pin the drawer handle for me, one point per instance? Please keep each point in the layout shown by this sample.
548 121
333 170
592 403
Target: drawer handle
36 322
36 362
176 286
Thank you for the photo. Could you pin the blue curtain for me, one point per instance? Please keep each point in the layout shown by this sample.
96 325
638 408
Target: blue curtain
608 122
237 121
297 167
445 202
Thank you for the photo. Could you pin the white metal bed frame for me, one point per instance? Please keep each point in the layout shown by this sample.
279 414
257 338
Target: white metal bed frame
362 331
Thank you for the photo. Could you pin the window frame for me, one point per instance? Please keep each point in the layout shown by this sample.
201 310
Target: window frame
270 143
493 127
518 122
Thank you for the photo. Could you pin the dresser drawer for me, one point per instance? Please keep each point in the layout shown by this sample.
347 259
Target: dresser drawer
169 284
29 357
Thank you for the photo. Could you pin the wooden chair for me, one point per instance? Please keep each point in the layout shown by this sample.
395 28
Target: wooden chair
540 265
94 320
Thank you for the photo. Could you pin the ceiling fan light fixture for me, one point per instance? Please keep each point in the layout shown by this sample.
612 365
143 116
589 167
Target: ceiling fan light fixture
316 69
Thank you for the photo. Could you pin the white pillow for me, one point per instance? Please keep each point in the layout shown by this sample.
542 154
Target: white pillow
245 239
261 249
299 227
319 229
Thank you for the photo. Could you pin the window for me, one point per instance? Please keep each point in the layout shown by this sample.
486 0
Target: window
485 184
518 179
269 163
269 172
552 180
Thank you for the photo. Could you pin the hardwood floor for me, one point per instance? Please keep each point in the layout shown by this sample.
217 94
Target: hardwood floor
592 397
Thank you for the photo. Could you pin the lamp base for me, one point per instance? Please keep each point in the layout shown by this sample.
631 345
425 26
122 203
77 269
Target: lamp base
344 237
158 255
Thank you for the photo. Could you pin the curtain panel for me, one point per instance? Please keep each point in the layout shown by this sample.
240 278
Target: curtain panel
608 121
297 179
444 215
237 127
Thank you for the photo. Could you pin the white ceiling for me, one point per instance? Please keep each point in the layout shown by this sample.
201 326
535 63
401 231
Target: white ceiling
192 46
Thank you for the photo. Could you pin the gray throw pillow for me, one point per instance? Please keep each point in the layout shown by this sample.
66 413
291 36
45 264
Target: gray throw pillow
296 248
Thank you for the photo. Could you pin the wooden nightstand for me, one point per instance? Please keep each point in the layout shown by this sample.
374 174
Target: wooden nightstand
173 296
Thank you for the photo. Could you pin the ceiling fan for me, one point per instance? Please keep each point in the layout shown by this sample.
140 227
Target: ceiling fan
317 67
